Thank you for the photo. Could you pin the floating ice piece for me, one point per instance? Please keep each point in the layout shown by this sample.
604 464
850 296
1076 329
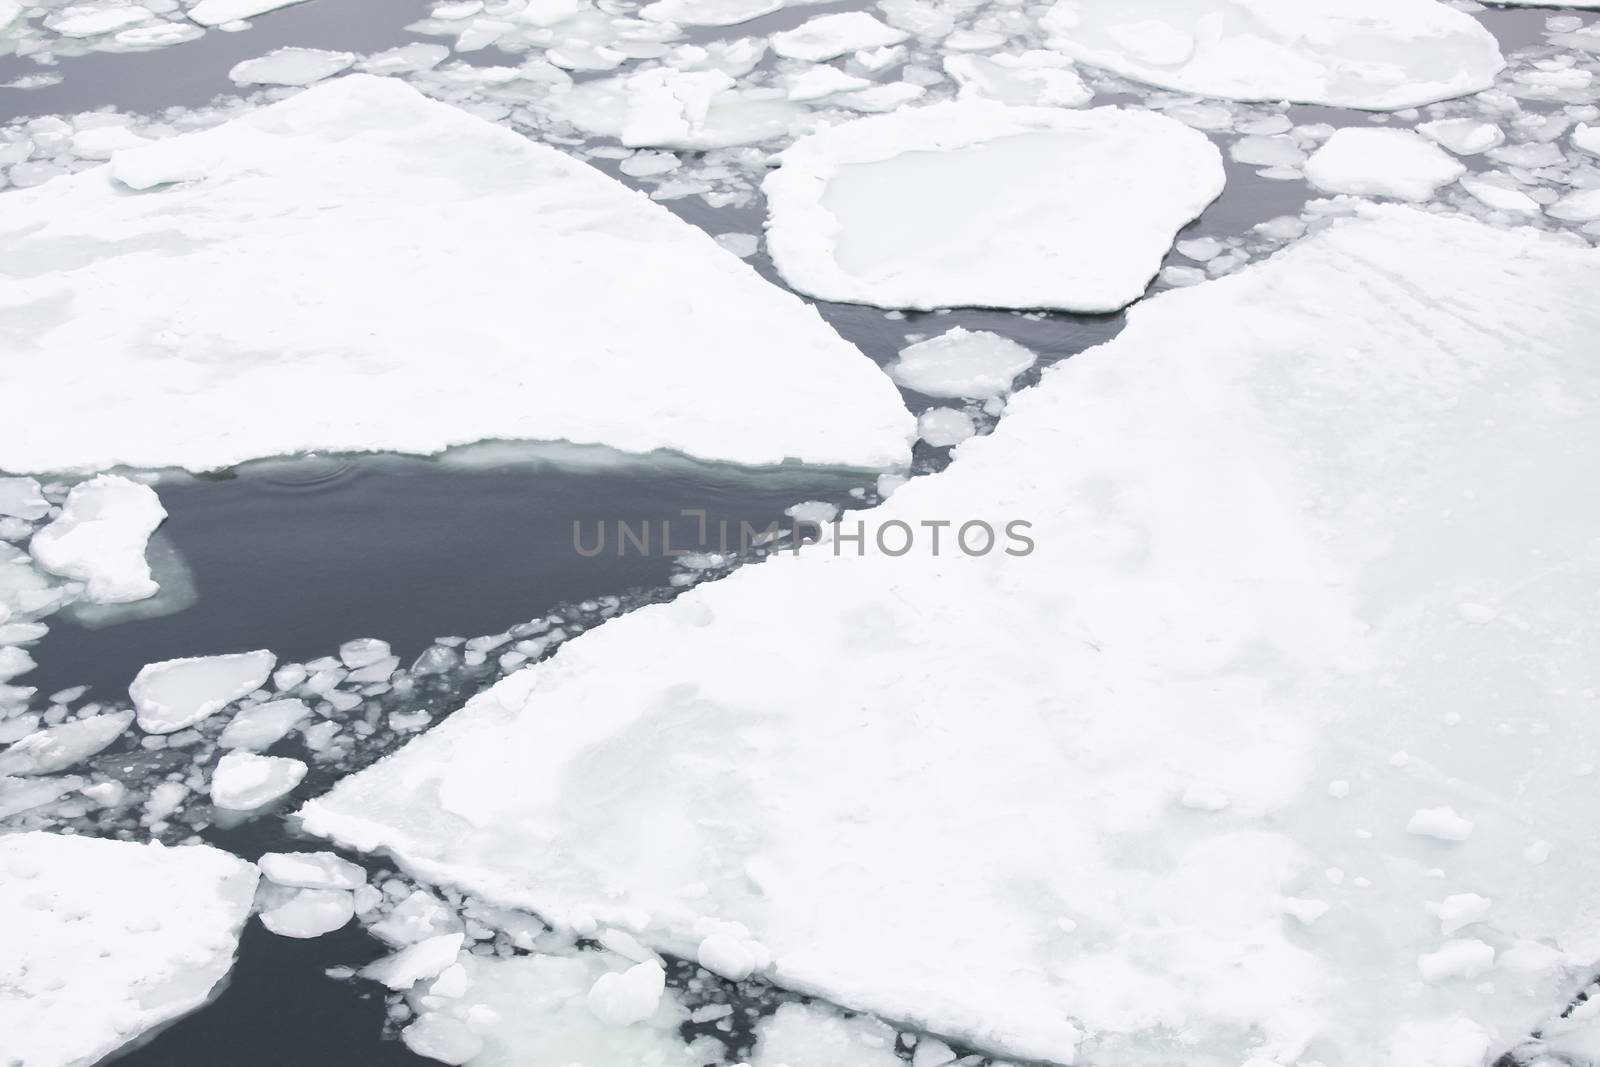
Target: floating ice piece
1240 573
1464 137
709 12
243 781
811 1035
1441 823
21 498
1500 197
92 20
10 11
1373 54
105 940
23 794
906 210
1582 206
178 693
944 427
299 296
1029 79
1379 162
1586 138
414 963
363 652
730 957
311 870
823 81
100 539
630 996
669 108
310 913
292 66
55 748
831 36
102 142
260 726
220 12
1461 909
961 363
437 1036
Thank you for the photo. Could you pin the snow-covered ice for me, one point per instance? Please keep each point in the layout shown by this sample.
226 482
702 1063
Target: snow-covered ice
259 726
809 1035
105 940
317 275
311 870
1254 515
178 693
630 996
292 66
1381 162
100 539
974 203
244 781
1374 54
943 427
20 498
414 963
1464 137
961 363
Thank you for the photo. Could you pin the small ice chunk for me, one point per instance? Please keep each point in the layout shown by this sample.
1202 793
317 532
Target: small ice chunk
439 1037
1464 137
244 781
810 1035
292 66
1031 79
1583 206
1499 197
363 652
414 919
311 870
20 498
729 957
1441 823
708 12
176 159
627 997
260 726
743 245
1586 138
1304 909
220 12
1381 162
823 81
100 537
178 693
831 36
56 748
310 913
1461 909
945 427
102 142
1460 958
425 959
90 20
961 363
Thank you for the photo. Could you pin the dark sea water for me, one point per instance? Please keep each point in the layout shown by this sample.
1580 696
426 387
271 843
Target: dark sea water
299 556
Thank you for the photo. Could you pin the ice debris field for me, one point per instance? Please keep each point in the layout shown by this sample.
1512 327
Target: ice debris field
1203 673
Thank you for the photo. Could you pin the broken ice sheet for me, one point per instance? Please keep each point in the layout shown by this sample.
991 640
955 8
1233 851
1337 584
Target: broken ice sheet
277 289
105 940
177 693
100 538
1373 54
1381 162
1243 587
973 203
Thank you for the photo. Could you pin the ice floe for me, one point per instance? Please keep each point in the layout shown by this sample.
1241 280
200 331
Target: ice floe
306 913
56 748
1374 54
961 363
803 1035
831 36
1380 162
1256 516
974 203
292 66
105 940
100 537
222 12
304 301
244 781
177 693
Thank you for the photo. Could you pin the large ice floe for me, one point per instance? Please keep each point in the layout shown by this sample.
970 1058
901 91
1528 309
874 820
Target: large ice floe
1375 54
976 203
1276 747
105 940
320 275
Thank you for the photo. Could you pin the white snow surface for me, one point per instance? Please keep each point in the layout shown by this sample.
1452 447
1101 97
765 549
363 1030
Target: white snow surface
105 940
177 693
1380 162
809 1035
1372 54
975 203
1257 513
317 275
100 537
